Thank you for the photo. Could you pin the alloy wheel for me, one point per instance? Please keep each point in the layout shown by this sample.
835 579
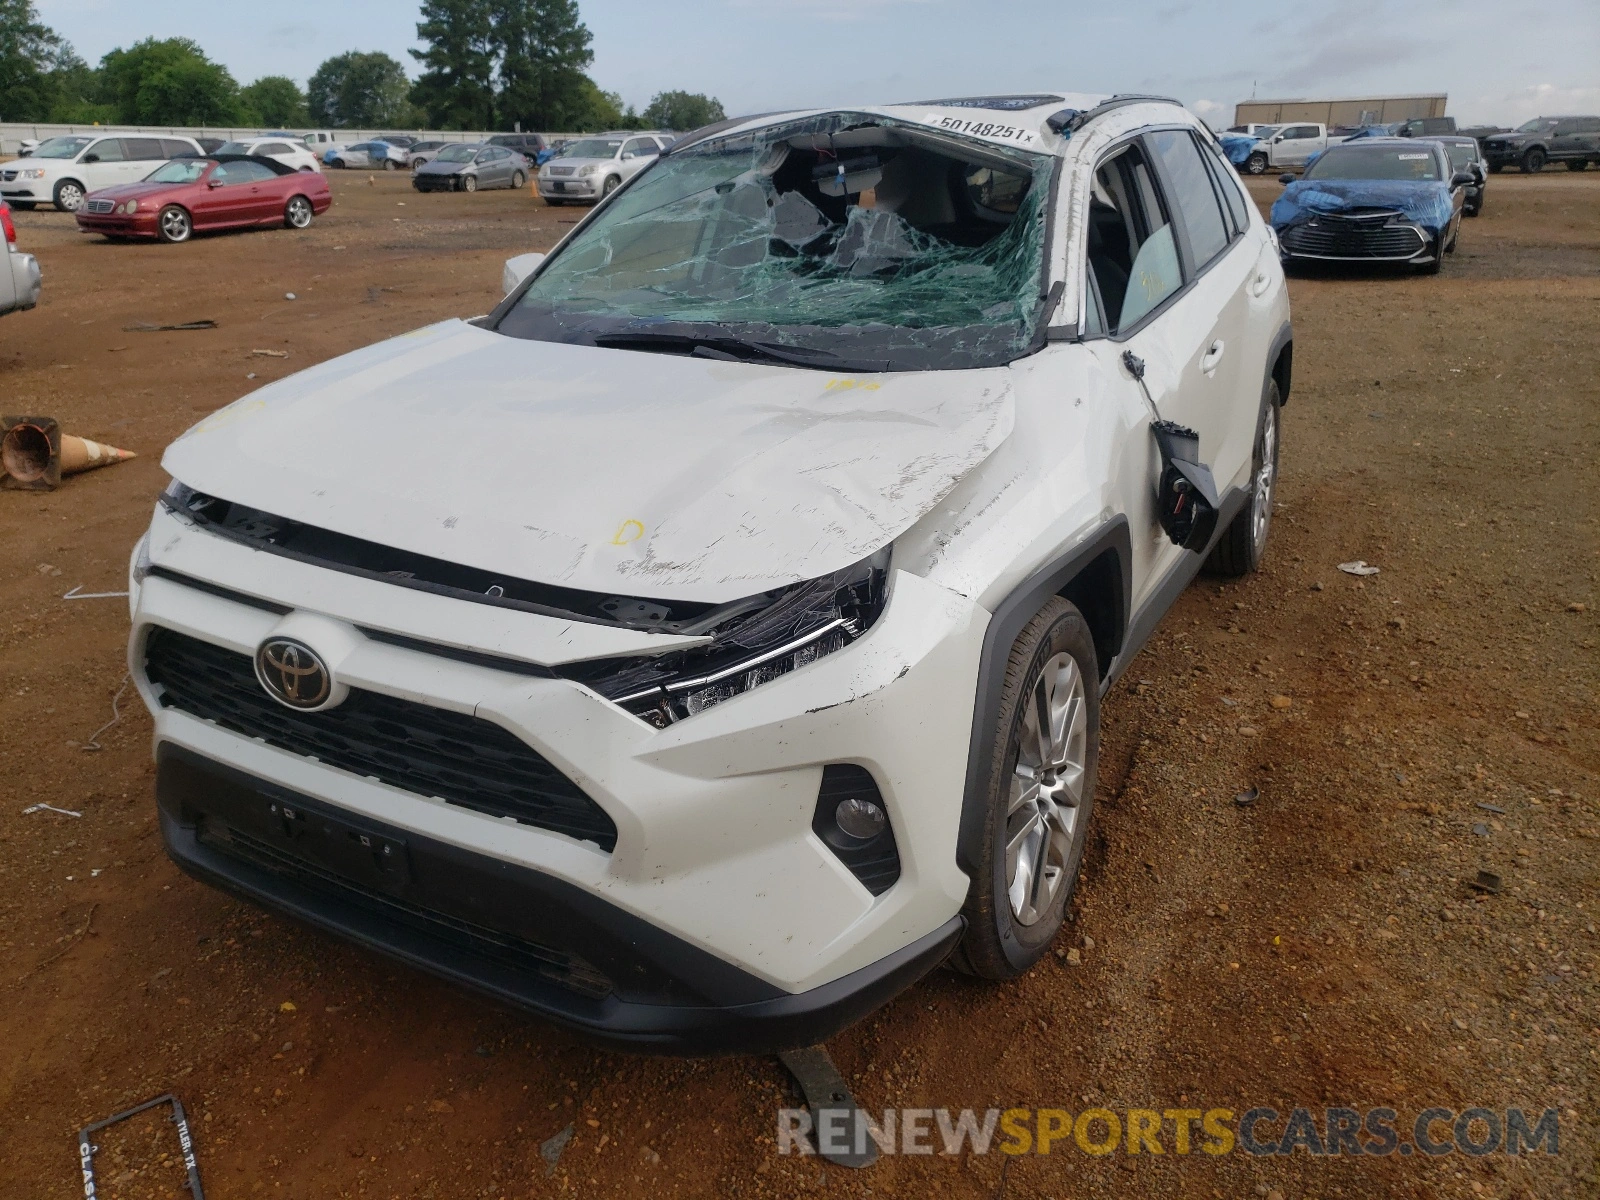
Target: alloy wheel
299 213
1046 789
1266 477
175 226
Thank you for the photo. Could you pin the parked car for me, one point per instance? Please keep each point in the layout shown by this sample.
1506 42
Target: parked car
529 145
1292 145
422 152
27 146
1423 127
1467 155
367 155
592 167
765 674
63 169
20 278
467 168
210 145
555 149
221 191
1378 200
403 140
320 141
1252 129
288 151
1572 140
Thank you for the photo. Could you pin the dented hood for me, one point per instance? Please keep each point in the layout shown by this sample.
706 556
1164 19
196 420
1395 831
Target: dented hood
613 471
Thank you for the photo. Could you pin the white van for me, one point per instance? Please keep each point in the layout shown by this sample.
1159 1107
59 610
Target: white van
64 169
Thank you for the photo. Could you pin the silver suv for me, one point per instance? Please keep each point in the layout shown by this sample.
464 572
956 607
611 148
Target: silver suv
593 167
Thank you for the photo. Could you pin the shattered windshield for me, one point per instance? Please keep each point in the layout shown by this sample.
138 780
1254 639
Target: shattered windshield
843 241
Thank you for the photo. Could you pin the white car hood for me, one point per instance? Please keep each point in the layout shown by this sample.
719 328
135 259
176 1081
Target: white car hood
612 471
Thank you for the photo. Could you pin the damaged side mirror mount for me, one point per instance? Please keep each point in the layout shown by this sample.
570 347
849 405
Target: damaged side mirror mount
1186 499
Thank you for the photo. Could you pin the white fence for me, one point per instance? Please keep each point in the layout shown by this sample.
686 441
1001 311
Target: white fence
13 132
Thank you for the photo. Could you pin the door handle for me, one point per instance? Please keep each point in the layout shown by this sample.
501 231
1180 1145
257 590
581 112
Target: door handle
1208 362
1260 283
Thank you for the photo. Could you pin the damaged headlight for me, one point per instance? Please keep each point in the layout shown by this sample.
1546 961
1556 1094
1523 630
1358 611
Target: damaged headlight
754 641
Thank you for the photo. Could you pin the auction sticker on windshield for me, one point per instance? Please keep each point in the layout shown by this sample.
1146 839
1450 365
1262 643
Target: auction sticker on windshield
1410 157
983 129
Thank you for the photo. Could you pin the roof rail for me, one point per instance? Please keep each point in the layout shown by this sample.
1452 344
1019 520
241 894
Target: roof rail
1069 120
711 130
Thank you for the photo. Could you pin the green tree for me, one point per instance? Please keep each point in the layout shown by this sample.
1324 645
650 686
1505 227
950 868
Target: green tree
28 51
168 82
544 49
360 91
682 111
274 100
456 88
590 109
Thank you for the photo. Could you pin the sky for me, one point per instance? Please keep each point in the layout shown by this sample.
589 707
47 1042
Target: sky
758 55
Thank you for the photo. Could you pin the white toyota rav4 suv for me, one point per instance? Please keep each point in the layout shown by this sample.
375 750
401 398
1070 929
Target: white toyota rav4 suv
710 641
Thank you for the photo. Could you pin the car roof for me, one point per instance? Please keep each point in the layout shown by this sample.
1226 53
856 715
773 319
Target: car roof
1040 122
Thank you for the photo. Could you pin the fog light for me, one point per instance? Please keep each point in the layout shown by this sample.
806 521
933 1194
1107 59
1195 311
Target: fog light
860 818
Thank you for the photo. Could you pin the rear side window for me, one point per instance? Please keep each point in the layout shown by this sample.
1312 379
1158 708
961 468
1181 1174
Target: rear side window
171 148
143 149
272 148
1192 193
1227 182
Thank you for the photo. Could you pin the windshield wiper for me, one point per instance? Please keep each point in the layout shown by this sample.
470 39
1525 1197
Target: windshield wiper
728 348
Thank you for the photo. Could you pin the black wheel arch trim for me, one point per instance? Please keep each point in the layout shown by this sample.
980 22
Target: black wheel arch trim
1006 622
1282 347
1055 578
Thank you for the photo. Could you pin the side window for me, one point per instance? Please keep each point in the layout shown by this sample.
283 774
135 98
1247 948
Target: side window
1132 258
641 147
272 148
171 148
108 150
1192 193
1227 181
142 149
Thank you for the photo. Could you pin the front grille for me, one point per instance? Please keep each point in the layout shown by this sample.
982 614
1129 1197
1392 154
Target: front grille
99 206
561 170
567 969
1335 237
460 759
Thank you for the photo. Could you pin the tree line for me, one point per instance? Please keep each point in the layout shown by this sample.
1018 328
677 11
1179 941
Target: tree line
486 64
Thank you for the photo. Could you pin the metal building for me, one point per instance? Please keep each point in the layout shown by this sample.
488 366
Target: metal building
1356 110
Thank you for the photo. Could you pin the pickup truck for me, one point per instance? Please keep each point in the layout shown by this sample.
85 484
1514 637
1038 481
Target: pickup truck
19 273
1291 146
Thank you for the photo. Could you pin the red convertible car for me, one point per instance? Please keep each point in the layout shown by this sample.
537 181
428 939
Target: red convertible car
224 191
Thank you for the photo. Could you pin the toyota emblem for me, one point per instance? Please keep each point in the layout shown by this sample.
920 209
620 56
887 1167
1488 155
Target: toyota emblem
293 674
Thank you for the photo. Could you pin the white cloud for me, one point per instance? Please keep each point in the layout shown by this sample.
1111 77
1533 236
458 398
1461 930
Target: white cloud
1535 100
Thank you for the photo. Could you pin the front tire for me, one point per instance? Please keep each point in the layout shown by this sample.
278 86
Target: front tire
173 224
68 196
1256 164
611 185
469 183
1243 544
1533 161
297 213
1039 794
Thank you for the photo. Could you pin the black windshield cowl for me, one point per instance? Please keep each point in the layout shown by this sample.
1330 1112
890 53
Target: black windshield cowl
727 349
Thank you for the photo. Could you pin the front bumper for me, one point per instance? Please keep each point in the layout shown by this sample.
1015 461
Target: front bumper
569 189
501 929
138 224
714 847
436 183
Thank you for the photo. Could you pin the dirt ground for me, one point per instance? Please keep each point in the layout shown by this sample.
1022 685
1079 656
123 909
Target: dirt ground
1317 947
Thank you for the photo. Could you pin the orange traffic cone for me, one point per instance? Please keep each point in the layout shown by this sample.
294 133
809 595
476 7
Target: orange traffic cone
35 454
80 454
